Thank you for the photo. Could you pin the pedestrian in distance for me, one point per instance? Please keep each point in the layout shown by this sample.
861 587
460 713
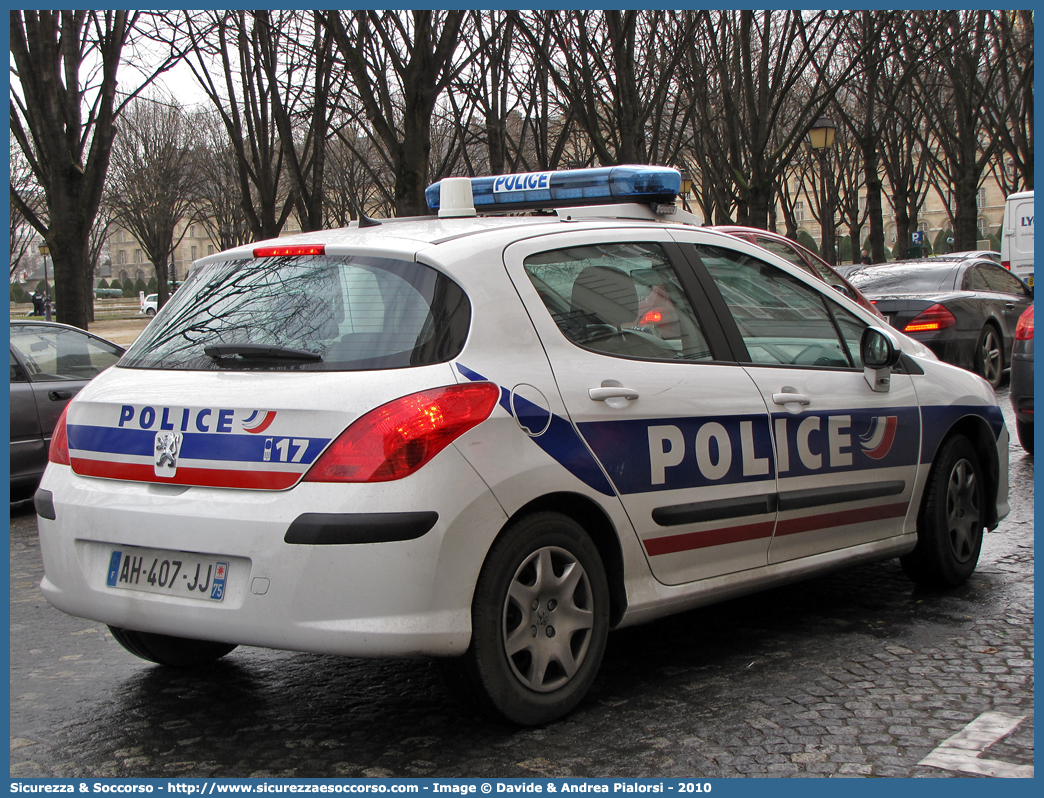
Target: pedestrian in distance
866 257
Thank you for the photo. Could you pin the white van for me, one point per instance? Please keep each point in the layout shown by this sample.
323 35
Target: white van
1017 235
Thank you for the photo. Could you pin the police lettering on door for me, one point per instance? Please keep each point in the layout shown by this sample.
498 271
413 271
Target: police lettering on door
678 453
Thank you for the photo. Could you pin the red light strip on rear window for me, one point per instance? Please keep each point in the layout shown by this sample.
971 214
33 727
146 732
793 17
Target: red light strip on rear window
284 252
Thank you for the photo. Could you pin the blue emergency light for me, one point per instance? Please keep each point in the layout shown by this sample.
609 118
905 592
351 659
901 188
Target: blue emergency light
566 188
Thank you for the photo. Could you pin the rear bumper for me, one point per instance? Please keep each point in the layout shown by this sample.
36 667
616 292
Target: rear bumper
409 594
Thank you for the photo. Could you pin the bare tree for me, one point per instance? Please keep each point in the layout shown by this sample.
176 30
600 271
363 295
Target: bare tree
1009 108
370 179
154 180
64 106
485 91
23 234
905 164
772 83
296 55
867 101
616 70
545 135
227 58
219 206
400 63
849 180
953 87
831 181
714 144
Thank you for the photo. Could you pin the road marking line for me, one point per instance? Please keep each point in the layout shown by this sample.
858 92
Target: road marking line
961 752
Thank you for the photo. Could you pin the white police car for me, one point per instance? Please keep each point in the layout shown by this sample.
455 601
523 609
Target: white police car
493 439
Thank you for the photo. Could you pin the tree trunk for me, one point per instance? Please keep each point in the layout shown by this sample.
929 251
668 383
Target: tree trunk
874 207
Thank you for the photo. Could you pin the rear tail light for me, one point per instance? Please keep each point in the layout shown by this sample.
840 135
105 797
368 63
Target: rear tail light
934 318
396 439
1006 264
58 452
1024 329
283 252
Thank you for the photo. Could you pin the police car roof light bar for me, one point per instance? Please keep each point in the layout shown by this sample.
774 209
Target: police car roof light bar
566 188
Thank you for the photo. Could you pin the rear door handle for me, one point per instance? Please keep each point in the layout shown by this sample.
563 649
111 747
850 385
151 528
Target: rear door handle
612 392
57 396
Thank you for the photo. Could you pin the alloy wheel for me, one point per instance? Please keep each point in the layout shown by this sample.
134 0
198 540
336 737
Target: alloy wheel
962 511
547 620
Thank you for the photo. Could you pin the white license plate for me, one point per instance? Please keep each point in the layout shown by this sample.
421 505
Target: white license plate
172 573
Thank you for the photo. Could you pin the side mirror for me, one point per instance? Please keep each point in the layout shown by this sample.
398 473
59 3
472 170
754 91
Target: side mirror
880 352
843 289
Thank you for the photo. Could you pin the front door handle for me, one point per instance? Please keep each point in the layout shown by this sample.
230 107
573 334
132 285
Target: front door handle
789 395
57 396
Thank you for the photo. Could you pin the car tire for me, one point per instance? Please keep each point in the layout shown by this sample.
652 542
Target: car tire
177 652
543 571
1025 433
989 356
150 312
952 518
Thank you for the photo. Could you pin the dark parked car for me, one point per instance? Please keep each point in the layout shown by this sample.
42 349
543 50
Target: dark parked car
799 256
50 363
1022 379
963 309
976 253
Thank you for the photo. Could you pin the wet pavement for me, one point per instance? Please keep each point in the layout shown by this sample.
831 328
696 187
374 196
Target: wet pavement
853 674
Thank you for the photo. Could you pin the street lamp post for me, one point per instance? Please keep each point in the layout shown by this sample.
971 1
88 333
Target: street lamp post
45 251
686 187
821 139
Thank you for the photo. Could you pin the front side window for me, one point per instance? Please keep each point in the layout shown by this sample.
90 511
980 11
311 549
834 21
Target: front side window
619 299
52 354
783 321
314 313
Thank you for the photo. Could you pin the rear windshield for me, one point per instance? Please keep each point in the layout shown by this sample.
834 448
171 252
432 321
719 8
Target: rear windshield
307 314
922 279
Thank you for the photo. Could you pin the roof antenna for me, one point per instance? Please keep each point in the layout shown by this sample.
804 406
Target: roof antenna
364 220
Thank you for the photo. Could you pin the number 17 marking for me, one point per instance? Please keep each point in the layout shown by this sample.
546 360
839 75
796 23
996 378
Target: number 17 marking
283 448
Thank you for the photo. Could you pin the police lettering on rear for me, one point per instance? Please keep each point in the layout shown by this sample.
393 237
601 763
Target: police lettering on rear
679 453
205 446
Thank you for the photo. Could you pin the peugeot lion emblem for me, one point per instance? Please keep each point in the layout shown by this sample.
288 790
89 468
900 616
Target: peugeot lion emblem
168 444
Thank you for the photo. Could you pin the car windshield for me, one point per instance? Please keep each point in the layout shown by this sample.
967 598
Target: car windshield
898 279
313 313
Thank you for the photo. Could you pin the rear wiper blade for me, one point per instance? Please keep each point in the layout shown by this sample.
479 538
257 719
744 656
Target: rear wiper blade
218 351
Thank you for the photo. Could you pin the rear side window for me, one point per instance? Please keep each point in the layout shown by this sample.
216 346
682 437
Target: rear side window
619 299
307 314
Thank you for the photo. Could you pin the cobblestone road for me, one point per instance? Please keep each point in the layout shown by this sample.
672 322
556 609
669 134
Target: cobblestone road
853 674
